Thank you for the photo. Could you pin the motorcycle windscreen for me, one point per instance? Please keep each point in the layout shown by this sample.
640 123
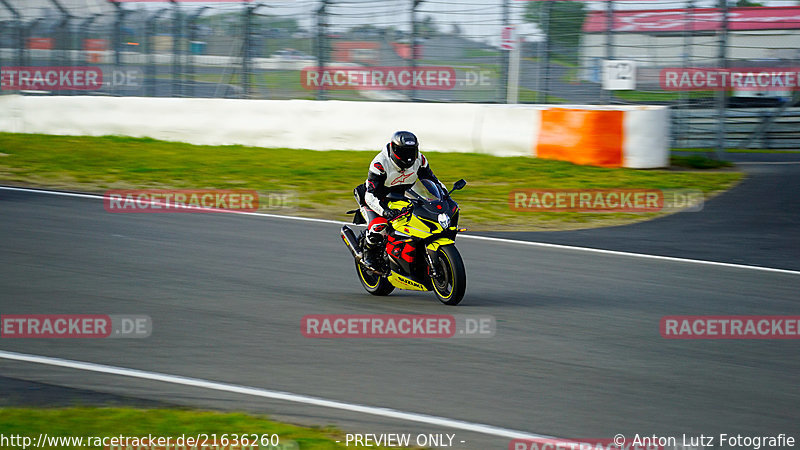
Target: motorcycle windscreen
427 190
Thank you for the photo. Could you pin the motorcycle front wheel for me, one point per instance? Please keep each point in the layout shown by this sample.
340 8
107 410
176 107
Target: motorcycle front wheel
450 281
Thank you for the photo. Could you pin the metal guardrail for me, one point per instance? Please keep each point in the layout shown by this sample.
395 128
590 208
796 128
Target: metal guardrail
762 128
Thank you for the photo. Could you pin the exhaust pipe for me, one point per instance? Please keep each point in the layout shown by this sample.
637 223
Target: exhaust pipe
350 241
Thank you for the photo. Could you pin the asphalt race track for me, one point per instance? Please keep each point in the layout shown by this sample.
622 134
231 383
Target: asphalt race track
577 351
756 223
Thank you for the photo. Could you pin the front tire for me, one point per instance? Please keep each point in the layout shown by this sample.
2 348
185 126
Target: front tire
451 282
374 284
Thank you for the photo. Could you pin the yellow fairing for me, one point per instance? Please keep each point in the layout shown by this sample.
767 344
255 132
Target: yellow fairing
417 227
399 204
402 282
433 246
413 225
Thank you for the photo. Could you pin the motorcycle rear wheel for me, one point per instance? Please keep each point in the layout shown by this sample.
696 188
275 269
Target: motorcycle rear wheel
374 284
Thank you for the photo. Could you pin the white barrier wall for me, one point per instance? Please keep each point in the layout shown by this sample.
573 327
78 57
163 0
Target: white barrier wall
503 130
646 142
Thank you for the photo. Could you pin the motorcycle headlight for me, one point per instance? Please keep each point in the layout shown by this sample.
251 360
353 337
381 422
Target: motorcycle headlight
444 220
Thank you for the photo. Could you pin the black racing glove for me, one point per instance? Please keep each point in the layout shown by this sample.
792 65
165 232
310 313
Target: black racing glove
391 214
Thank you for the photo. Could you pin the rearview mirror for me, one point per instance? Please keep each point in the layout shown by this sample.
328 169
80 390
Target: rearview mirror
459 185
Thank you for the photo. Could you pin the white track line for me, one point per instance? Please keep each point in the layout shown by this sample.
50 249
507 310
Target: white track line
468 236
277 395
634 255
100 197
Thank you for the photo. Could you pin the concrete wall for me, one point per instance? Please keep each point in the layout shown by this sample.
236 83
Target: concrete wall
502 130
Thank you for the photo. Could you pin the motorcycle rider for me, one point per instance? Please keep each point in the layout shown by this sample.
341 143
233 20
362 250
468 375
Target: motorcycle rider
394 170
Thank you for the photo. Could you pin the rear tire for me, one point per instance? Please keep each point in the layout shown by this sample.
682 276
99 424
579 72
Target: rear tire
374 284
451 283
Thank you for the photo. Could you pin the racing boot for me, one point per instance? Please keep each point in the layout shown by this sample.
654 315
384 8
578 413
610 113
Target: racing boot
374 242
372 248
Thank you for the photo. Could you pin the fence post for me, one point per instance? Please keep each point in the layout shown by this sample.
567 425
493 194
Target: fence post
606 94
504 56
248 24
322 30
722 94
116 40
175 90
62 33
19 32
544 61
25 35
83 35
116 36
150 31
150 76
192 35
681 118
414 33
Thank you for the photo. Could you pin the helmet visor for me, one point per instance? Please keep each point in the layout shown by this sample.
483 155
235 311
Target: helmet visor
406 155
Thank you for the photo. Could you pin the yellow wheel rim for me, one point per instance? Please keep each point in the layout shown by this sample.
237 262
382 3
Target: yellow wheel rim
361 274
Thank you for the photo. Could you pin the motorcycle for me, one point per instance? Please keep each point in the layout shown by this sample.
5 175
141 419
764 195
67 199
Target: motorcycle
420 252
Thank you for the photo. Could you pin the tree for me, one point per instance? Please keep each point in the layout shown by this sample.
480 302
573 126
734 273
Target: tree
740 3
564 26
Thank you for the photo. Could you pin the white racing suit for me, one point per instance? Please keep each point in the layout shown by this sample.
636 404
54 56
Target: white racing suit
385 177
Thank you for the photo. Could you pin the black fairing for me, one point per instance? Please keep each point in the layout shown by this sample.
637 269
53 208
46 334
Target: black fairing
427 208
436 202
431 211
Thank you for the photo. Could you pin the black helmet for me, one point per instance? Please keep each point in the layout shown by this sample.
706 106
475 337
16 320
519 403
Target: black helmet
404 149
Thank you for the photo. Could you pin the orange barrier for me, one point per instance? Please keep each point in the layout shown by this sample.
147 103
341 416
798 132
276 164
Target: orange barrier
580 136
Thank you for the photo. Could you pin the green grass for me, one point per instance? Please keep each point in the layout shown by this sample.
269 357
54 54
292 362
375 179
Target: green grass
168 423
480 53
645 96
698 162
531 96
553 60
320 184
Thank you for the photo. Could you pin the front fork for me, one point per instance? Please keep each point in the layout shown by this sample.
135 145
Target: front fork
432 254
432 258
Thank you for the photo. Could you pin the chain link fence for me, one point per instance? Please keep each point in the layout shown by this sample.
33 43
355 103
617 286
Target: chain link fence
496 51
